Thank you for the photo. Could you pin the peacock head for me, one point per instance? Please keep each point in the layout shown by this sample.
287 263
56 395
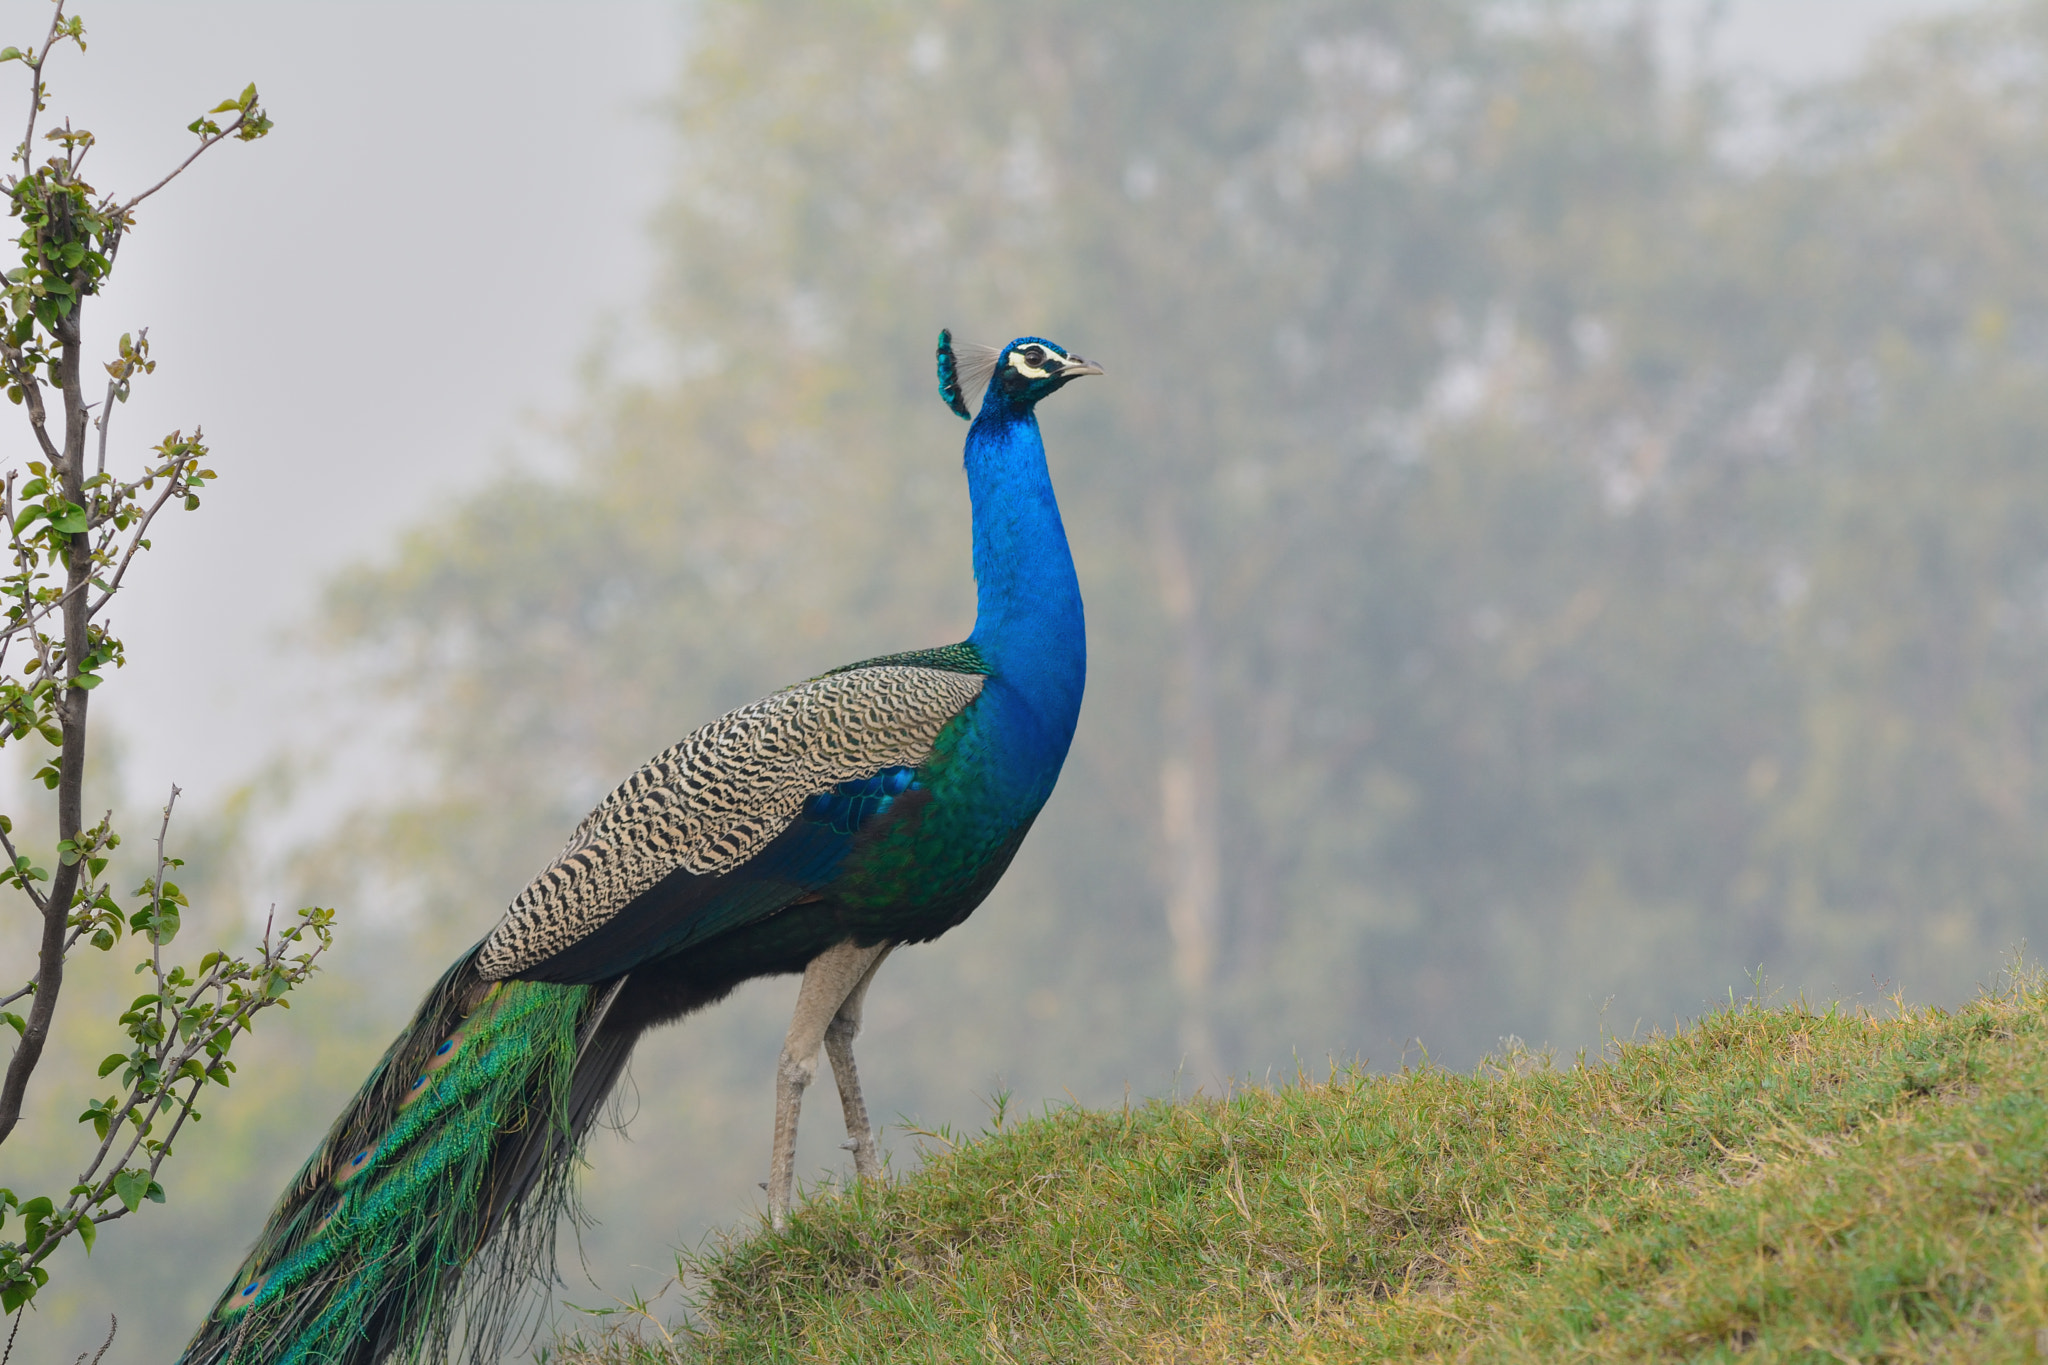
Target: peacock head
1022 372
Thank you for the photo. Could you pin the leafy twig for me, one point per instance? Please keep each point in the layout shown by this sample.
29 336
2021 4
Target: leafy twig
250 123
35 59
71 538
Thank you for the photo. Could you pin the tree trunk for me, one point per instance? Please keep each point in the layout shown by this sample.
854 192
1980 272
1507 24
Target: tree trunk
1190 821
71 711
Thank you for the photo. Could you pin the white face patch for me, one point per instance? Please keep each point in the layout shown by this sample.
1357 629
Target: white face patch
1034 361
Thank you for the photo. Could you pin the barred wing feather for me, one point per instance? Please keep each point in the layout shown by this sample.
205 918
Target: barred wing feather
710 803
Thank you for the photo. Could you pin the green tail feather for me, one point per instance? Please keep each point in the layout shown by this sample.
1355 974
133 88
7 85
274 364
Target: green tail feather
437 1190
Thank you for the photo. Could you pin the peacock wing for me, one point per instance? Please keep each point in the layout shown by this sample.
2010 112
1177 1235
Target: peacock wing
706 814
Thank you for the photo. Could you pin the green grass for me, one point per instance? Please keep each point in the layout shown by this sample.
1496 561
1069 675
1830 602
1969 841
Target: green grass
1769 1184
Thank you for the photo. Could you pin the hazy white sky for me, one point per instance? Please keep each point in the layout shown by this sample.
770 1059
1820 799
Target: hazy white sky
1805 39
366 310
369 309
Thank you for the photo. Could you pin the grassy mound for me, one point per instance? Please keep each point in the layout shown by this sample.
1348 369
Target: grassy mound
1773 1183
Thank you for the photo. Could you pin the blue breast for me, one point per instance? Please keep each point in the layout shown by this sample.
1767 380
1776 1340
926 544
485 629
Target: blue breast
1029 624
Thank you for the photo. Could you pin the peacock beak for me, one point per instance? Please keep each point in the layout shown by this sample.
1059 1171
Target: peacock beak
1076 366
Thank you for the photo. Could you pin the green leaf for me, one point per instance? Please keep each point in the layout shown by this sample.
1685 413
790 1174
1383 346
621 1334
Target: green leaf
87 1233
132 1187
113 1062
87 681
100 1114
35 1214
15 1021
16 1294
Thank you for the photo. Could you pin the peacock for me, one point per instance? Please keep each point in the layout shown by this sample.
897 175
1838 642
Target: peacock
813 832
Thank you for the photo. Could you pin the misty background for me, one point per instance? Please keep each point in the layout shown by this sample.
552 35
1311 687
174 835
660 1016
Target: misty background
1565 526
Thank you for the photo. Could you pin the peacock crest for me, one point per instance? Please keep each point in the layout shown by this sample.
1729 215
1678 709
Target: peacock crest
963 369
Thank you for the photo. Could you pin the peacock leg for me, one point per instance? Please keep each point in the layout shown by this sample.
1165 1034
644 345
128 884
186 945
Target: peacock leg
839 1036
831 977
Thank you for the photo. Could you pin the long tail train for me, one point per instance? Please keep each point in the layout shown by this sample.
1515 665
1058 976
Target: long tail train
438 1188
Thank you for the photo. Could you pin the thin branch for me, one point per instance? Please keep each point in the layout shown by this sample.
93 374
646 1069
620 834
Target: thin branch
77 930
197 152
75 152
114 387
33 982
14 860
163 1098
106 411
35 91
28 574
25 559
77 933
32 395
156 937
171 487
113 1326
73 1210
184 1112
168 470
29 1051
92 1190
32 611
38 611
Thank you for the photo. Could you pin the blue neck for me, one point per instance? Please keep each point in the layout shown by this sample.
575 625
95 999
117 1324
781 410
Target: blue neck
1029 624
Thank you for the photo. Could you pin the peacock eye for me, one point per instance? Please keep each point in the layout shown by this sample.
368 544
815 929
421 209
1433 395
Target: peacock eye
1034 357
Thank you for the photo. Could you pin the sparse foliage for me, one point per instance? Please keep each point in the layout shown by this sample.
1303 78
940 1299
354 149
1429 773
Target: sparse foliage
73 529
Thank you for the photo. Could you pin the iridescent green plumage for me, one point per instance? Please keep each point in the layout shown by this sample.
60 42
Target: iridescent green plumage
427 1166
960 658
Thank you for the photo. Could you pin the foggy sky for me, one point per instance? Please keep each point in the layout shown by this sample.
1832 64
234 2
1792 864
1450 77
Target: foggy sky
383 303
